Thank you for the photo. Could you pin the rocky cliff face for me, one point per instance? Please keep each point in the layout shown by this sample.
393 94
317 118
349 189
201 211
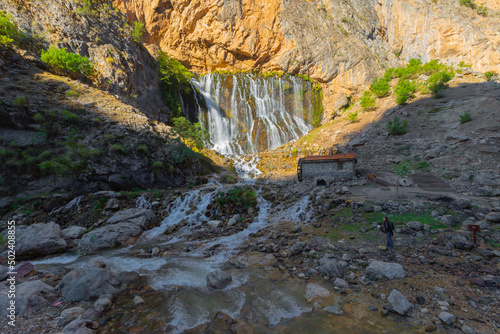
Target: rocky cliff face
342 44
124 68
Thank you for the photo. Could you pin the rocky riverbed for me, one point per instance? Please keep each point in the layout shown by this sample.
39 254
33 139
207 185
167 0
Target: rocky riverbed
301 257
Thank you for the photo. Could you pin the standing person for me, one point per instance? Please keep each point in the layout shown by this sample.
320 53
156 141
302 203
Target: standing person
387 228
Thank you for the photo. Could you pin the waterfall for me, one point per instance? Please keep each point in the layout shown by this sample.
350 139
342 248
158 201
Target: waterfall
247 113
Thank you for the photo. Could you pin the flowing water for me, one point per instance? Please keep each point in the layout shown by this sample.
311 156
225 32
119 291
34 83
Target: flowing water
246 113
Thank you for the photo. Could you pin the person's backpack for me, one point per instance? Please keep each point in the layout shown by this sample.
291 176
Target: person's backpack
390 226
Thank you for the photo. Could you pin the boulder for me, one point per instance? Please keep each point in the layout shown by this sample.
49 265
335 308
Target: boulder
331 267
122 228
73 232
461 242
468 330
449 220
334 310
314 290
218 279
69 315
103 304
87 284
39 240
214 223
493 217
447 318
415 225
144 218
399 302
381 269
24 269
30 298
79 326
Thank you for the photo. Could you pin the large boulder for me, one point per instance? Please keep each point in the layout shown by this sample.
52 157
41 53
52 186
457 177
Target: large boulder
218 279
449 220
379 269
87 284
493 217
331 267
30 298
73 232
399 302
447 318
415 225
38 240
144 218
122 228
79 326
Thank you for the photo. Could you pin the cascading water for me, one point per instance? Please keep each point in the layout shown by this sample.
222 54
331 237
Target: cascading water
246 113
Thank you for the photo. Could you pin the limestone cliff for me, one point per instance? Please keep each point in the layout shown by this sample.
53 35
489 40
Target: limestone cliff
342 44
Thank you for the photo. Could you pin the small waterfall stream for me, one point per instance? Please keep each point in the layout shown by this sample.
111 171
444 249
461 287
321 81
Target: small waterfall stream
247 113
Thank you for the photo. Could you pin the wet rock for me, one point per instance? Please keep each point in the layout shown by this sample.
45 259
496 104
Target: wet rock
113 204
314 290
218 279
24 269
38 240
334 310
332 268
399 302
468 330
103 304
73 232
493 217
69 315
30 298
214 223
87 284
447 318
381 269
79 326
138 300
415 225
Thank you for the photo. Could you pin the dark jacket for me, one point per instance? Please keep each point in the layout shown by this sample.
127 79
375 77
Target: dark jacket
386 227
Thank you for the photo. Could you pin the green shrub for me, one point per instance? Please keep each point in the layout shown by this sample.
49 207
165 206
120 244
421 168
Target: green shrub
3 152
404 91
238 196
463 64
95 152
421 165
193 134
465 117
468 3
174 79
72 93
20 101
49 113
89 7
116 149
437 83
9 33
367 101
482 10
489 75
44 155
67 63
38 118
70 117
138 31
158 165
380 87
353 117
142 149
109 136
396 126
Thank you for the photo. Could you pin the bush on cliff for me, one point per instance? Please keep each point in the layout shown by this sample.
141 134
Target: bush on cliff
67 63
